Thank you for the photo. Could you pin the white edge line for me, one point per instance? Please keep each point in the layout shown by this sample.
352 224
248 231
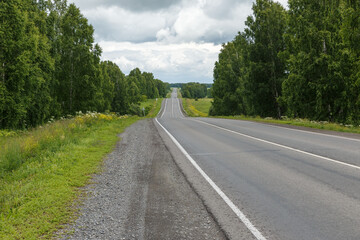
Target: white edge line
180 108
164 108
233 207
282 146
316 133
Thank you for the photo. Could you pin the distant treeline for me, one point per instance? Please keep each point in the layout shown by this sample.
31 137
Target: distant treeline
195 90
179 85
50 66
301 62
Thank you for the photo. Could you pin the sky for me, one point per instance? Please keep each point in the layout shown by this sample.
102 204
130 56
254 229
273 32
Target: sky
177 40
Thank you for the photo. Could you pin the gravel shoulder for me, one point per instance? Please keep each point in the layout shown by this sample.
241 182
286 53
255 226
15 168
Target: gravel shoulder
142 194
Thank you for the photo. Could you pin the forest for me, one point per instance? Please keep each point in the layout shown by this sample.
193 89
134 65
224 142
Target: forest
50 67
300 62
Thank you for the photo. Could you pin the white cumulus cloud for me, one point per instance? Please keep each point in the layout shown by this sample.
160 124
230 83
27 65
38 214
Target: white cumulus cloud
177 40
166 60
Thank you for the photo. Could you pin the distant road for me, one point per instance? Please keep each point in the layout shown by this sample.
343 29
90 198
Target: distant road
288 184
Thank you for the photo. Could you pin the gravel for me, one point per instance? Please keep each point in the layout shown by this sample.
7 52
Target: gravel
142 194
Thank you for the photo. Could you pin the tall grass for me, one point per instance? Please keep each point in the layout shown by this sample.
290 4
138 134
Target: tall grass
41 171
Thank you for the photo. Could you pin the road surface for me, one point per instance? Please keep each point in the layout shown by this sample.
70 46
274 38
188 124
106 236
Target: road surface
287 183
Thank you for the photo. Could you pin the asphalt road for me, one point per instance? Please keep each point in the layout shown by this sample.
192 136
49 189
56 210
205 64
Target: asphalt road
290 184
141 194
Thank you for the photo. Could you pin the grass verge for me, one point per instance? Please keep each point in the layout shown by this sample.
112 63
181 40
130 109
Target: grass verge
300 122
42 170
152 107
199 108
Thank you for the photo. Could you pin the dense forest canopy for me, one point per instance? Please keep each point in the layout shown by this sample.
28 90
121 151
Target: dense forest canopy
301 62
51 67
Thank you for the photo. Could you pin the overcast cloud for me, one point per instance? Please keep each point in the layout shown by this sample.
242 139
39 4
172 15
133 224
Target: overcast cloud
177 40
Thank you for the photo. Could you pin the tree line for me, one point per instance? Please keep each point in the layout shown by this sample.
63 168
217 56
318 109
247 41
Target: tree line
302 62
195 90
51 67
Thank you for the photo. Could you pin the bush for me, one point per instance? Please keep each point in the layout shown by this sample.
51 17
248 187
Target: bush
135 109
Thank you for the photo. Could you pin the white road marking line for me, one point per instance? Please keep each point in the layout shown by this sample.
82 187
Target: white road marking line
316 133
282 146
180 109
172 107
164 108
233 207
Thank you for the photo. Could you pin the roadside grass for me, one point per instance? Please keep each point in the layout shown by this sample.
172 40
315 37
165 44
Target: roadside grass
152 107
299 122
42 170
199 108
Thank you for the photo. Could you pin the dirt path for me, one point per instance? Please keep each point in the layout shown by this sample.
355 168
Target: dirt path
142 194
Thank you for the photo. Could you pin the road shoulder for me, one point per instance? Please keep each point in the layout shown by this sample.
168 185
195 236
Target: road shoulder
215 205
142 194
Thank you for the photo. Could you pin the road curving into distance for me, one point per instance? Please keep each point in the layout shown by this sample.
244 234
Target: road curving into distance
273 182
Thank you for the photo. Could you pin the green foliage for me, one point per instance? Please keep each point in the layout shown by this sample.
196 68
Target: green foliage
197 108
324 125
25 65
50 67
315 72
303 62
194 90
37 190
249 72
152 107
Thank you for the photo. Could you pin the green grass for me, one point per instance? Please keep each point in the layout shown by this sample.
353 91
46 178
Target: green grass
199 108
203 104
152 107
156 109
42 170
300 122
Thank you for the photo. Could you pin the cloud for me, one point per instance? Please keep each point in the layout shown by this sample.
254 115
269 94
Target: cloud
164 60
132 5
176 21
174 39
117 24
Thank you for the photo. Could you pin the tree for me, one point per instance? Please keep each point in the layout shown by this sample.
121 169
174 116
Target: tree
25 63
56 10
50 66
194 90
120 101
77 87
265 31
230 78
315 85
350 60
12 38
